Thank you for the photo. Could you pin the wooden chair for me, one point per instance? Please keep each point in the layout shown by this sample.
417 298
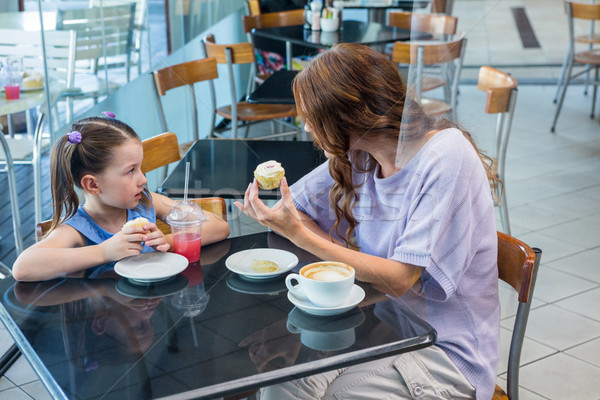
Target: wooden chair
517 265
442 27
247 113
160 151
421 55
591 39
501 91
591 57
253 7
186 74
442 6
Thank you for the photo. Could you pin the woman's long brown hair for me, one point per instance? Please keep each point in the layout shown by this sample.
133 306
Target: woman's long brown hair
69 162
352 89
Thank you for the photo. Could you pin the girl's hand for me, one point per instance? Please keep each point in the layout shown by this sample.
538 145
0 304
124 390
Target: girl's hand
282 218
155 238
125 243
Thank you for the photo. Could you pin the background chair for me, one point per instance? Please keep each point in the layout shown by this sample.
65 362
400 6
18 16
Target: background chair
247 113
422 55
501 91
252 7
102 32
517 265
591 39
590 57
140 25
442 27
442 6
186 74
60 56
270 20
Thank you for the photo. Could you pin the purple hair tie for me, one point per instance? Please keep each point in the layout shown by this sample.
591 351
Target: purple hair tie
74 137
109 114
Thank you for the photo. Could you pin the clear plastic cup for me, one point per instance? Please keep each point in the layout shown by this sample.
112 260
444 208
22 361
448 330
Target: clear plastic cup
185 219
12 76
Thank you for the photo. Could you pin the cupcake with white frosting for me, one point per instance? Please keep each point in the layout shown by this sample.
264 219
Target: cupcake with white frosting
269 174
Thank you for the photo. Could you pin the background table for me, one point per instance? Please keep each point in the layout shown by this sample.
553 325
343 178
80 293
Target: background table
276 89
224 168
201 337
367 33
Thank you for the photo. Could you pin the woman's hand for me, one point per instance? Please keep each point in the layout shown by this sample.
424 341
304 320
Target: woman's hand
283 218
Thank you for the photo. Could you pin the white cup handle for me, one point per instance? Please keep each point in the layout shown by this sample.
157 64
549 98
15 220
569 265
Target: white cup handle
292 328
295 289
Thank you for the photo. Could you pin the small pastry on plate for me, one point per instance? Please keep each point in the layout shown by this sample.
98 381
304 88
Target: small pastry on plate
269 174
32 80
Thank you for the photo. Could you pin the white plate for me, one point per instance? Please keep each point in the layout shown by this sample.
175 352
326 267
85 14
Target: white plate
356 296
241 262
265 286
151 267
151 290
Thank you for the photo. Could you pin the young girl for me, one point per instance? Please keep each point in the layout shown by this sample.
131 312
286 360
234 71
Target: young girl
102 156
417 223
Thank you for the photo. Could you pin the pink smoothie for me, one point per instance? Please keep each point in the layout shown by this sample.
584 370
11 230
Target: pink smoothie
188 245
12 92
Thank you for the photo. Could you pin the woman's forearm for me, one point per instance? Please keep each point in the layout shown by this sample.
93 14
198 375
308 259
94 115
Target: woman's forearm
389 276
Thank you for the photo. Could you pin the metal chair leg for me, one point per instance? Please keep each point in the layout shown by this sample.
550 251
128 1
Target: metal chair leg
9 358
562 94
596 82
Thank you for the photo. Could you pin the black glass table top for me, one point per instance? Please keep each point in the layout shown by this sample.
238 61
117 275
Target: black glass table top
276 89
224 168
206 333
367 33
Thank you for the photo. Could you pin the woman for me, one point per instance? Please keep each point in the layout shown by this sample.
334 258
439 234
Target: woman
406 201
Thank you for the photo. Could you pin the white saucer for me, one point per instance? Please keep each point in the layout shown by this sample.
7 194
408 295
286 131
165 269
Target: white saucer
269 287
356 296
150 291
151 267
241 262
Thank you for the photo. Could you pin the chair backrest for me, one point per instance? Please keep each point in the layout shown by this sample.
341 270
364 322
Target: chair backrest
448 55
186 74
442 6
501 98
517 265
253 7
273 19
436 24
230 54
100 30
215 205
60 51
584 11
160 150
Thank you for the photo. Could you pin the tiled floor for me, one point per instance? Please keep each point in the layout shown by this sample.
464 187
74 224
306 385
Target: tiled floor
553 187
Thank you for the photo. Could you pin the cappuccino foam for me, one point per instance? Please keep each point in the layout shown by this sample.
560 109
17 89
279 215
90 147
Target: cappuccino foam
327 273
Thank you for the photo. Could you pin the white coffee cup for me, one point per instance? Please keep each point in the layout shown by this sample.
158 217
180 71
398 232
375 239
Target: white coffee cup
325 334
326 284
